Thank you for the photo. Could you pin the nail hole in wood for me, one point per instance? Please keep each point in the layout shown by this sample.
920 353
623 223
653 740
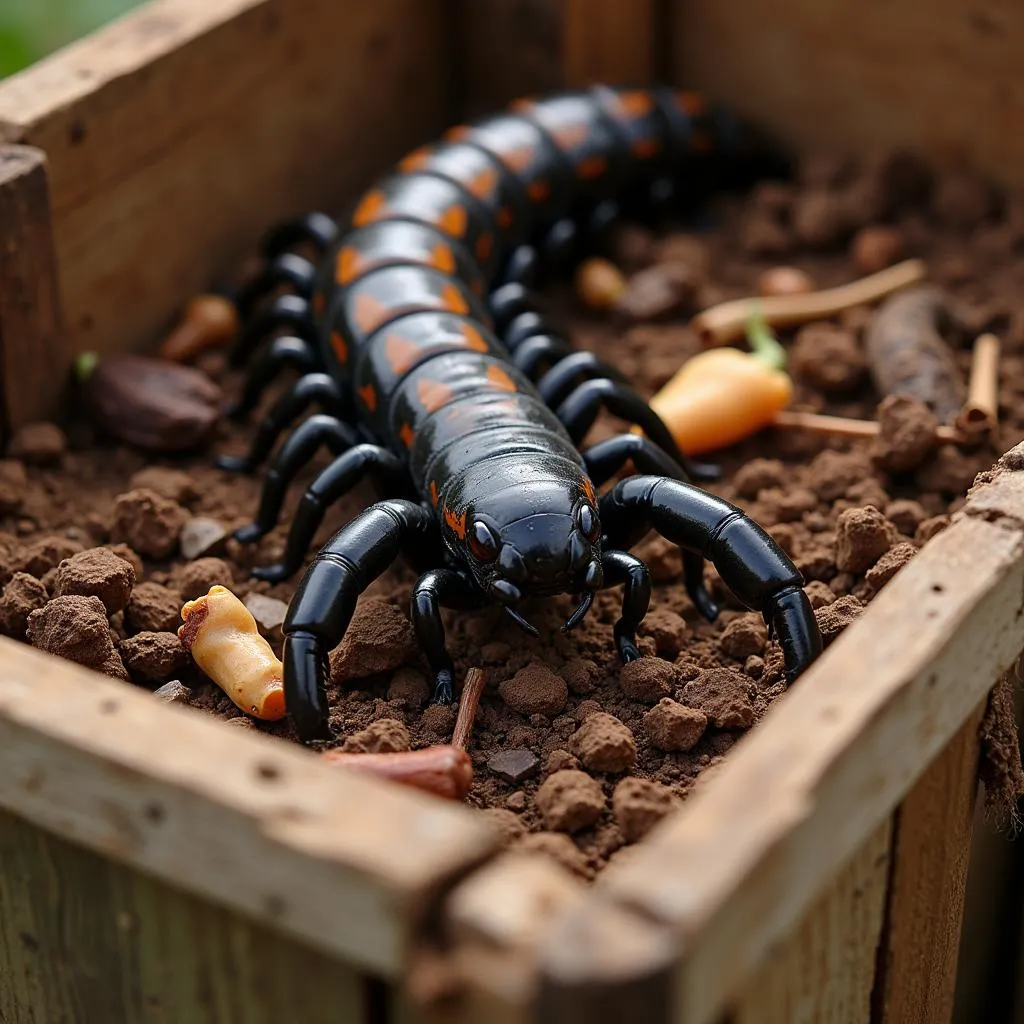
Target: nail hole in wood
937 588
155 813
108 707
267 772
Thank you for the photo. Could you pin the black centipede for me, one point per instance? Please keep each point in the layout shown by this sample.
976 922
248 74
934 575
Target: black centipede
421 341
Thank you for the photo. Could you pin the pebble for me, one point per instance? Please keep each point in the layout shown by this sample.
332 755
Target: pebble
784 281
581 675
667 629
200 536
673 726
199 576
153 608
570 801
149 522
516 801
724 696
38 444
876 247
638 805
647 679
744 636
153 657
514 765
96 571
863 535
657 291
604 744
890 563
535 690
23 594
174 692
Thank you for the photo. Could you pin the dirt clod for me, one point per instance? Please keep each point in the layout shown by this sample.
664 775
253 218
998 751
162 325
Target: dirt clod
863 535
647 679
385 736
829 358
673 726
153 657
96 571
76 628
409 686
147 521
570 801
638 805
197 577
23 594
38 444
13 485
604 744
153 608
835 617
379 638
890 563
876 247
744 636
724 696
535 690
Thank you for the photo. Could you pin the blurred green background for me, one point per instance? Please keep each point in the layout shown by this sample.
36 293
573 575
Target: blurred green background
30 29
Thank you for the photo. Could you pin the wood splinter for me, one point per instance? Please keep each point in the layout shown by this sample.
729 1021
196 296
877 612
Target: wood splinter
843 426
718 325
444 770
979 417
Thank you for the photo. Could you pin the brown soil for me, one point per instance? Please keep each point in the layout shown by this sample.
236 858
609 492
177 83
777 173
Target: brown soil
567 743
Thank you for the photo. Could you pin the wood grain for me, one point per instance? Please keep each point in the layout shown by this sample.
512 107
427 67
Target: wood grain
943 76
825 971
610 41
85 940
926 904
755 845
344 863
35 359
178 134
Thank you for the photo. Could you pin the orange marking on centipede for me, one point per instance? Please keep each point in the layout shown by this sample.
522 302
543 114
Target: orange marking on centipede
340 347
484 245
459 132
433 394
588 490
504 217
319 303
474 339
415 160
434 496
442 257
399 352
369 397
518 159
522 105
571 135
591 167
538 191
453 300
645 148
691 102
368 312
700 142
453 221
407 435
372 206
483 185
456 522
636 103
347 266
500 379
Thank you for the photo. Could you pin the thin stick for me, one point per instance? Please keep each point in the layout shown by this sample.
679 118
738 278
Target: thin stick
471 690
980 414
842 426
727 321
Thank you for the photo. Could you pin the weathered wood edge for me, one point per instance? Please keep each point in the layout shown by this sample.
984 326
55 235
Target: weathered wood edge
178 134
32 349
346 863
735 869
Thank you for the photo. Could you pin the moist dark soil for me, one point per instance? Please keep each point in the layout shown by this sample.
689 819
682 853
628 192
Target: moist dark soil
574 755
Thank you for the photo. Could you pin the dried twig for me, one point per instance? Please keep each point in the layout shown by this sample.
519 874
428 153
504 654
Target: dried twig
980 414
470 700
842 426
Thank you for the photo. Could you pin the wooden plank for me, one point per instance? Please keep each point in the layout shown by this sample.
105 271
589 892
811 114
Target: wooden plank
825 971
611 41
345 863
742 862
926 903
178 134
31 337
84 939
942 75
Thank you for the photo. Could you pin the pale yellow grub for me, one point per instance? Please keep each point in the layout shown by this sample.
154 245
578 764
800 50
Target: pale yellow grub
226 644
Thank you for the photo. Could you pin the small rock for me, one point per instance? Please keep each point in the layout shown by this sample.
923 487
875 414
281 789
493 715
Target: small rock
535 690
46 553
638 805
828 357
581 675
150 523
409 685
876 247
517 802
604 744
174 692
784 281
96 571
13 484
667 629
439 719
831 474
558 760
153 608
673 726
23 594
906 437
890 563
724 696
514 765
201 536
153 657
819 594
834 618
38 444
385 736
647 679
658 291
76 628
172 484
570 801
863 535
744 636
269 614
380 638
197 577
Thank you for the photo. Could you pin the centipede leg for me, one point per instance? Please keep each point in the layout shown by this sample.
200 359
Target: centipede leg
295 453
749 561
287 270
315 230
436 589
383 467
539 351
622 568
580 409
326 597
310 389
282 352
285 311
604 460
521 267
571 371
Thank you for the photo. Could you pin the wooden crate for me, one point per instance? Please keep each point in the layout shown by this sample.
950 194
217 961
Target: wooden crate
155 866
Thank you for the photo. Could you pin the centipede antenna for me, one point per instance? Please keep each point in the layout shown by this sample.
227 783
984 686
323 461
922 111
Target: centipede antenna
577 616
